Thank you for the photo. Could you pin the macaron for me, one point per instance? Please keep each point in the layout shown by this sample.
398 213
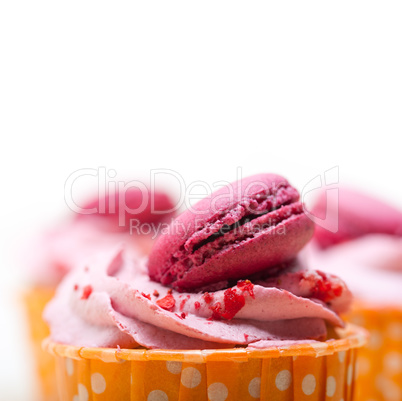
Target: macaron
114 211
252 225
356 215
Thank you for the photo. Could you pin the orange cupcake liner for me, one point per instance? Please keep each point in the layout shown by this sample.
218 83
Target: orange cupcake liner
35 300
380 362
315 371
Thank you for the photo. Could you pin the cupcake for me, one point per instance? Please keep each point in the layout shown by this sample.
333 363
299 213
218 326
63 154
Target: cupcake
222 310
366 251
58 250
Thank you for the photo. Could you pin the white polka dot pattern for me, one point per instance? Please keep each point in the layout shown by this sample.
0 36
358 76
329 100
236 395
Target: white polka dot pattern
392 392
395 331
389 389
190 377
341 356
157 395
98 383
331 386
82 392
283 380
254 387
393 362
173 367
308 384
217 392
170 380
375 339
69 366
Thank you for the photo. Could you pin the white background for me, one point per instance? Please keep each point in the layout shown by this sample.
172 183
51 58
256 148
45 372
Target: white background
198 87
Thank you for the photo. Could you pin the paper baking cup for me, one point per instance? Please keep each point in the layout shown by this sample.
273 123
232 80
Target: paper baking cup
316 371
35 300
380 362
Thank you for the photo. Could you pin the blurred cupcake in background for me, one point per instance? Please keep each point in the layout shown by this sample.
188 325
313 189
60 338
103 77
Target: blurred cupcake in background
366 251
131 219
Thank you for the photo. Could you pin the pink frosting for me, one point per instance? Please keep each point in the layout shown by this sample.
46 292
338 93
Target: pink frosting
246 227
371 265
112 302
367 248
58 250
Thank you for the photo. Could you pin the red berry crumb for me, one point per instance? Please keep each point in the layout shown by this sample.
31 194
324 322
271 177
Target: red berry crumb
207 297
216 311
75 287
86 292
146 295
156 294
248 286
325 289
182 303
183 315
197 305
233 303
167 302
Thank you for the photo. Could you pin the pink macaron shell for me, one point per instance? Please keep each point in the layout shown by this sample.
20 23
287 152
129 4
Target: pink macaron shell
177 258
357 214
115 211
269 248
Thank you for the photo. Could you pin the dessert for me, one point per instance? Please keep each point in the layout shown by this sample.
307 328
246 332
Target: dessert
67 245
357 215
209 307
117 210
57 251
114 303
367 252
252 225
